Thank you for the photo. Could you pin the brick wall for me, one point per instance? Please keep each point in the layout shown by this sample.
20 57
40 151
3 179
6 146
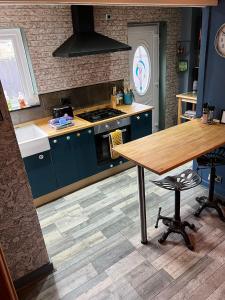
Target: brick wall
46 27
20 234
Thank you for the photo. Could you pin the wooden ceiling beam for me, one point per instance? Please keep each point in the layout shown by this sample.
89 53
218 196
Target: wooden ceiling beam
162 3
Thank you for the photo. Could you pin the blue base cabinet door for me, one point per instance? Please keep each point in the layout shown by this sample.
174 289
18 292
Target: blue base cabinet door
141 125
85 152
40 174
64 160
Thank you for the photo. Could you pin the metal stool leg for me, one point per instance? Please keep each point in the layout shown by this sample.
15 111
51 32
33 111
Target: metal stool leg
220 213
177 206
187 224
165 236
199 210
187 240
175 224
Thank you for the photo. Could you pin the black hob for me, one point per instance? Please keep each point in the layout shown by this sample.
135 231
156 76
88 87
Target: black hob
100 114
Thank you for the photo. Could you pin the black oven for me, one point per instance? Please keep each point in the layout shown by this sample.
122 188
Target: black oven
102 138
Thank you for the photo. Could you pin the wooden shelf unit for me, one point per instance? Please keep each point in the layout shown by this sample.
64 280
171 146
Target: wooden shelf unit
185 98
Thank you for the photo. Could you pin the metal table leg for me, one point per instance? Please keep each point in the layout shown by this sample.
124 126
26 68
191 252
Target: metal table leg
141 188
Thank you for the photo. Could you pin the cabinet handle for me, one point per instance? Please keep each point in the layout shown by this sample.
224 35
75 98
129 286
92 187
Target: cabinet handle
146 115
138 117
89 131
78 134
41 156
54 141
68 138
111 166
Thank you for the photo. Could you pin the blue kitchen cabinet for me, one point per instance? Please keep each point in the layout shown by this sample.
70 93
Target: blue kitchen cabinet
74 156
64 160
40 174
141 125
113 163
85 152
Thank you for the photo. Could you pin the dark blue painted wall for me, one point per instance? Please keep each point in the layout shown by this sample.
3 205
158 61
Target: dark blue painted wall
211 86
189 32
212 66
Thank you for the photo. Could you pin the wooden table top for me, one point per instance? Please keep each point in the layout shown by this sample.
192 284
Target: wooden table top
172 147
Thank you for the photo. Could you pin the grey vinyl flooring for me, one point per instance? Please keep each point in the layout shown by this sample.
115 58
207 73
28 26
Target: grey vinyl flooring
93 239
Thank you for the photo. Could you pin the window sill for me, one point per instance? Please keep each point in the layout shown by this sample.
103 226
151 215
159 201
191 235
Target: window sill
28 107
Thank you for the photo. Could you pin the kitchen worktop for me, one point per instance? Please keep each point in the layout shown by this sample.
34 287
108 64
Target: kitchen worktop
80 124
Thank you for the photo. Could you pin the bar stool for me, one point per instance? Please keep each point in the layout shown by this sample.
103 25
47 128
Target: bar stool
184 181
211 160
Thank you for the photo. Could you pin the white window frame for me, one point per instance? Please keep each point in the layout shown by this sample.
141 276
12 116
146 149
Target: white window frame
24 63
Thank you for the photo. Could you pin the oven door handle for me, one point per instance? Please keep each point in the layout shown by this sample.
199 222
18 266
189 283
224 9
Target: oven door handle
104 136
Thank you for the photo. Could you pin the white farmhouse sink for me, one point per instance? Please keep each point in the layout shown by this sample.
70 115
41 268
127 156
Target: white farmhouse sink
31 140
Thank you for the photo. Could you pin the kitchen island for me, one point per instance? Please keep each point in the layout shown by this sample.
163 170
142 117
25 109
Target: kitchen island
168 149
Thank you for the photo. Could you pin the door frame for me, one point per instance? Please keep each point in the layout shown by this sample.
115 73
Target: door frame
162 65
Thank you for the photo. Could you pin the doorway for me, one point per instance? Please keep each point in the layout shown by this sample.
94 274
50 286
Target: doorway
144 66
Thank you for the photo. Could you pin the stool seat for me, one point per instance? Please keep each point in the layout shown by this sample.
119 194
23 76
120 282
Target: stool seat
183 181
216 157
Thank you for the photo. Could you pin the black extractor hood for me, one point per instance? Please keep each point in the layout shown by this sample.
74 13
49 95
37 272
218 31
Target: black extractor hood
85 41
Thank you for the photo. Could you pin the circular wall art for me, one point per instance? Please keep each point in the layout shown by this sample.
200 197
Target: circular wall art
141 70
220 41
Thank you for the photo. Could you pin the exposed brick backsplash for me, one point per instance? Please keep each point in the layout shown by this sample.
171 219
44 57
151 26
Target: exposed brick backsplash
47 27
20 234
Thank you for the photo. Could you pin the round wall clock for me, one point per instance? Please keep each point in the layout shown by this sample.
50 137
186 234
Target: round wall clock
220 41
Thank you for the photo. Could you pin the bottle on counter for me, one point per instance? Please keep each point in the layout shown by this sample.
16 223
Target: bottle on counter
205 113
210 114
113 98
22 101
119 97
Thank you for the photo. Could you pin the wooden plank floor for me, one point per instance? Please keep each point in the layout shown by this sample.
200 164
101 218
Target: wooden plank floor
93 240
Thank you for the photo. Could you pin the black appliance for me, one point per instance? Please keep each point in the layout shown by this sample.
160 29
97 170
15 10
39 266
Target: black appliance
60 111
102 138
100 114
85 41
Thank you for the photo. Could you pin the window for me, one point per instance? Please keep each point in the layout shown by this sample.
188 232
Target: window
16 73
141 70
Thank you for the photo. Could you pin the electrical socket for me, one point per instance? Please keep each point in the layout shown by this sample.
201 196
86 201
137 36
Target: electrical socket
219 179
108 17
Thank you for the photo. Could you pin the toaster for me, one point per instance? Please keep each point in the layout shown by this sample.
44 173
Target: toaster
61 110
